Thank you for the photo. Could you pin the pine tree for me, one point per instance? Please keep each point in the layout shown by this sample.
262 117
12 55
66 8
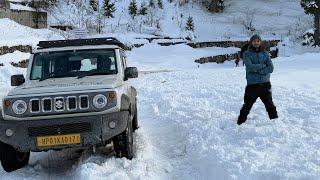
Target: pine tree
190 24
109 8
143 9
312 7
214 5
160 4
94 5
152 4
133 8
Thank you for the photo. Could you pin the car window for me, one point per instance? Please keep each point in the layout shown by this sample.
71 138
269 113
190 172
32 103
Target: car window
73 63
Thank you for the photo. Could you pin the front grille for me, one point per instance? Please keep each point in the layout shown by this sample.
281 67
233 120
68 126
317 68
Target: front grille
35 105
72 103
84 102
47 105
59 129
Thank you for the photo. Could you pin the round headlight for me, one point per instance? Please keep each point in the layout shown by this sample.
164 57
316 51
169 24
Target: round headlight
19 107
100 101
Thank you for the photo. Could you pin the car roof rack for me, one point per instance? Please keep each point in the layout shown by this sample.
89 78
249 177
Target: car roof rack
81 42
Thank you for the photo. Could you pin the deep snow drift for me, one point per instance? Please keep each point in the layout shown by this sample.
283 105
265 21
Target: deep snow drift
188 124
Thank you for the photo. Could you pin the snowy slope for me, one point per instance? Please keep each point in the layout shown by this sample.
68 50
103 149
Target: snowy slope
272 19
14 34
188 125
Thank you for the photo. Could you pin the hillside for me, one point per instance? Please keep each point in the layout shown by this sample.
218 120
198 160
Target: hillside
272 19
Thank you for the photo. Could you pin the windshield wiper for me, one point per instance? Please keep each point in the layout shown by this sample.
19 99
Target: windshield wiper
93 73
53 75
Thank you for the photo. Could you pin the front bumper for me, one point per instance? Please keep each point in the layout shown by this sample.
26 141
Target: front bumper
94 130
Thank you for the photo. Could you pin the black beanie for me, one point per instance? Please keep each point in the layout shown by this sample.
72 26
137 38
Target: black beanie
256 36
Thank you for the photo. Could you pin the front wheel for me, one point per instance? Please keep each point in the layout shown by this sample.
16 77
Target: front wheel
12 159
123 143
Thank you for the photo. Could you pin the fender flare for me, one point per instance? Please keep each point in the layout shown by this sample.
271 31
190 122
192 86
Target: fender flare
125 103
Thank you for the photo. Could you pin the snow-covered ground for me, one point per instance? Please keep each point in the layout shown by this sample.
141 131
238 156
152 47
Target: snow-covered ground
14 34
188 124
188 112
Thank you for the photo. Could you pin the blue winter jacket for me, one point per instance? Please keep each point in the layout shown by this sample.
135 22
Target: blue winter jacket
258 66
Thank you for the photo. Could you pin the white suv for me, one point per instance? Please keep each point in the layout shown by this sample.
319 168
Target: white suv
75 95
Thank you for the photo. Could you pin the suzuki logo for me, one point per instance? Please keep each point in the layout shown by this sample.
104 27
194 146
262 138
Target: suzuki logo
59 104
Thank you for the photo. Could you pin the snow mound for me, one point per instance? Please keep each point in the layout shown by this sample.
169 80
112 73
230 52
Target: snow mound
153 57
8 70
13 34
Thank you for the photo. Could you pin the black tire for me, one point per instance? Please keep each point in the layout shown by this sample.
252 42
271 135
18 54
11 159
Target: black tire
123 143
135 123
12 159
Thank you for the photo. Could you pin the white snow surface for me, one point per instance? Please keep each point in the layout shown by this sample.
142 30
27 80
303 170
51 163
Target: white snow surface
14 34
20 7
188 124
7 70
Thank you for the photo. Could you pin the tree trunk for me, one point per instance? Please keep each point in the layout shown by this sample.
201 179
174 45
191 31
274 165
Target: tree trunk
317 24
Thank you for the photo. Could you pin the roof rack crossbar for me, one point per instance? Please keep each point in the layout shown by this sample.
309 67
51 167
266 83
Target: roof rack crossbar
81 42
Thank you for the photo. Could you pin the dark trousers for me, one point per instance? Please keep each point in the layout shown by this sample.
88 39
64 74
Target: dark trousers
253 92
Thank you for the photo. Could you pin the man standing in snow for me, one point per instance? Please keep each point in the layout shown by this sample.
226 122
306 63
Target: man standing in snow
258 69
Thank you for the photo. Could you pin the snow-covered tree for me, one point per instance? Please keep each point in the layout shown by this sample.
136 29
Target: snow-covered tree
133 8
160 4
109 8
312 7
41 4
152 4
190 24
143 9
94 5
214 5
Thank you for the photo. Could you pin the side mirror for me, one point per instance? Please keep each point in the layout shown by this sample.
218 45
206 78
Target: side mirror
130 72
17 80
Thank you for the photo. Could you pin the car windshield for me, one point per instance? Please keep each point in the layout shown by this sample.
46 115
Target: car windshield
73 64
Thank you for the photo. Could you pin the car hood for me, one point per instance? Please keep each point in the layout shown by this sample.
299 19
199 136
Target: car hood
66 85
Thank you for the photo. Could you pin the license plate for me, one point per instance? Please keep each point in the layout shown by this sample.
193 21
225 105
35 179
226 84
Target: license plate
68 139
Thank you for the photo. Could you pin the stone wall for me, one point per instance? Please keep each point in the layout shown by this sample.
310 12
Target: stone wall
217 59
4 13
6 49
226 57
21 64
28 18
225 44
